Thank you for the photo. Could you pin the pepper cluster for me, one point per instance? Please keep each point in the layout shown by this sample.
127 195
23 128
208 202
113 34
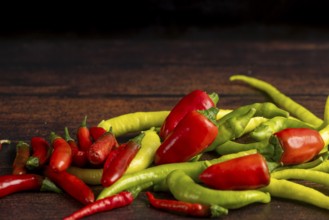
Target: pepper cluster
262 149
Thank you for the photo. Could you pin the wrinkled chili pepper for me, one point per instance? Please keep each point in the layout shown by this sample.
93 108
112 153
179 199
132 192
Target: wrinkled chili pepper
186 208
71 185
61 157
109 203
96 132
195 100
119 163
79 157
193 134
22 155
83 136
100 149
296 145
41 152
247 172
184 188
4 142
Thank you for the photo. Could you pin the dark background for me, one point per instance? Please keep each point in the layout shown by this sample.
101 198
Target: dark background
112 17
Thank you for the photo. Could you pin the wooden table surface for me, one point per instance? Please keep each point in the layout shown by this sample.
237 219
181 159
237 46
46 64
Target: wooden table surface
49 82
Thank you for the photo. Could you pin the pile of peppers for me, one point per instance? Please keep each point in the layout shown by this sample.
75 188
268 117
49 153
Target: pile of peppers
263 150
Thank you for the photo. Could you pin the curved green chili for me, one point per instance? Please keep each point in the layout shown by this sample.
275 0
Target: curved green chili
303 174
281 99
323 167
157 174
183 188
254 123
134 122
294 191
273 125
91 176
324 132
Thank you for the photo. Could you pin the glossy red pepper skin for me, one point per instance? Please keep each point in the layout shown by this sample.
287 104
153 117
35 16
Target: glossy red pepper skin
41 151
16 183
179 207
194 133
109 203
100 149
61 157
71 185
246 172
83 136
79 157
117 164
296 145
22 155
195 100
96 132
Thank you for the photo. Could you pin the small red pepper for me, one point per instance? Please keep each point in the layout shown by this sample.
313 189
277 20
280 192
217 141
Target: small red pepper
194 133
4 142
118 164
22 155
296 145
79 157
179 207
83 135
100 149
108 203
41 152
15 183
196 100
246 172
61 157
96 132
71 185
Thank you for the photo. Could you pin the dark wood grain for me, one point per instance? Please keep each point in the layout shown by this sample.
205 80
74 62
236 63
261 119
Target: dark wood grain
47 83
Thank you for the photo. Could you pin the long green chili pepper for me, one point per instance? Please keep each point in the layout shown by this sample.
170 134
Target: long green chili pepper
281 99
232 127
273 125
266 110
325 115
134 122
157 174
254 123
183 188
91 176
303 174
324 132
323 167
294 191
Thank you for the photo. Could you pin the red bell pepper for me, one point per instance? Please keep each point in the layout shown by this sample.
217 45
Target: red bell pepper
41 152
194 133
296 145
83 136
61 157
246 172
117 164
196 100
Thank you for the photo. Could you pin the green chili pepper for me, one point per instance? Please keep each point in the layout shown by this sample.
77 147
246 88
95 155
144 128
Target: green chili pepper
323 167
273 125
303 174
325 115
134 122
294 191
183 188
145 156
253 124
324 132
232 128
280 99
90 176
157 174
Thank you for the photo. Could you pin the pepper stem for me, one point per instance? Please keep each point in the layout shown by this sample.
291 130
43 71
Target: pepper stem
84 122
210 113
67 135
32 163
278 150
214 97
53 136
49 186
138 139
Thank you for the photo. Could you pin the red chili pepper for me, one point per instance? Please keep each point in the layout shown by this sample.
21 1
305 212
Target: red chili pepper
180 207
113 154
79 157
4 142
296 145
101 148
61 157
83 135
15 183
108 203
246 172
71 185
96 132
194 133
41 151
196 100
22 155
118 164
